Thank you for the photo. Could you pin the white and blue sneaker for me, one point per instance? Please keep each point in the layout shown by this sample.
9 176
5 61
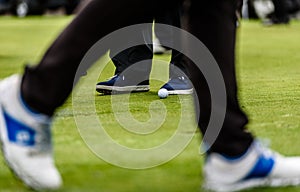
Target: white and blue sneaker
178 86
26 139
258 167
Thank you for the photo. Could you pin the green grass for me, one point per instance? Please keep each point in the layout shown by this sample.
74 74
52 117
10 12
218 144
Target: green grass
268 73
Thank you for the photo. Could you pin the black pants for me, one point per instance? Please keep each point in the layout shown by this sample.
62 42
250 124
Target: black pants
46 86
171 16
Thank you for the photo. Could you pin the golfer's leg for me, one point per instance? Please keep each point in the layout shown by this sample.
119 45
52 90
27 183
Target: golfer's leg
133 55
214 23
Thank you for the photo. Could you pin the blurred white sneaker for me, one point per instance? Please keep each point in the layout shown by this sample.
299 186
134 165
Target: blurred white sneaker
26 139
259 167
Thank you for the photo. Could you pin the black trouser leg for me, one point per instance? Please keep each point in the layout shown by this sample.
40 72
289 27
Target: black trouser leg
214 23
133 55
136 54
172 16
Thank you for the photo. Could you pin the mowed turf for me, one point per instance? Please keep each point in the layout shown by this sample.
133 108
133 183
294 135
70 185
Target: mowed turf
268 74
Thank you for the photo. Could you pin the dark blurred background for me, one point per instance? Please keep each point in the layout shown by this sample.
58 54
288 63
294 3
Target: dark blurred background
22 8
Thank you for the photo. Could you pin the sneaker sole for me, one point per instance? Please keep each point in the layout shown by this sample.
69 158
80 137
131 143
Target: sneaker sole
118 90
181 92
253 183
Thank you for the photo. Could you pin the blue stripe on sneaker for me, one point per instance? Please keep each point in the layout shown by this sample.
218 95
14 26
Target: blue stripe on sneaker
18 132
262 168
